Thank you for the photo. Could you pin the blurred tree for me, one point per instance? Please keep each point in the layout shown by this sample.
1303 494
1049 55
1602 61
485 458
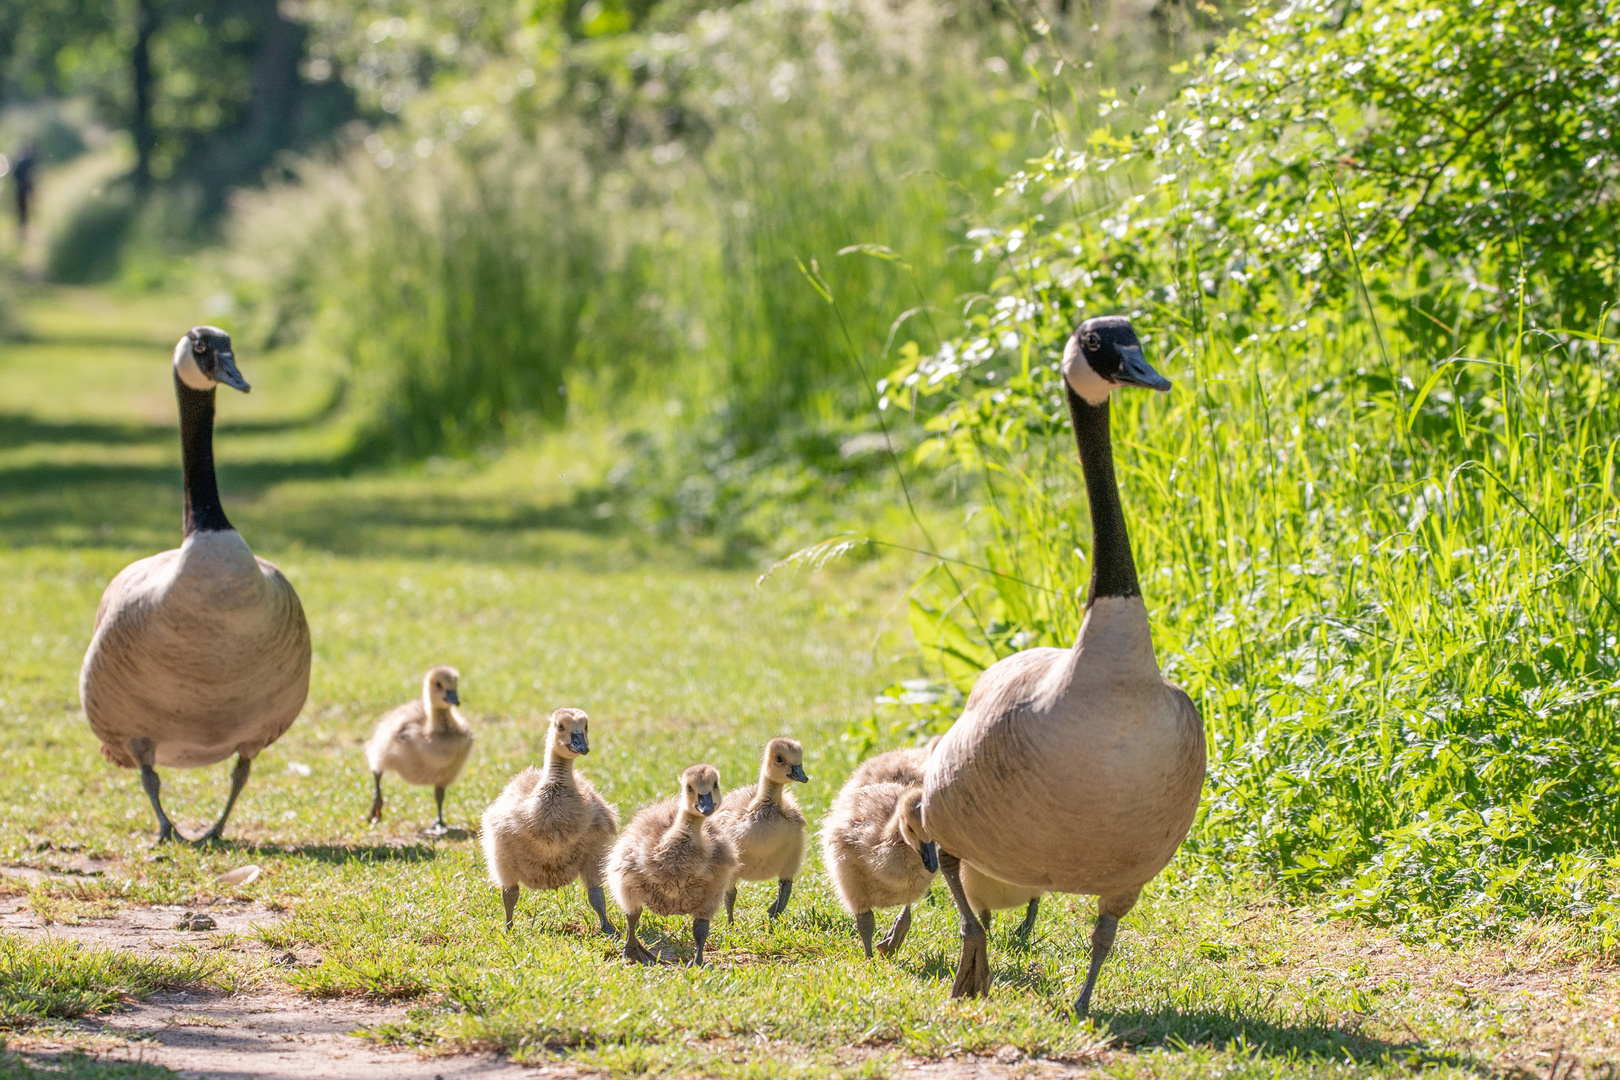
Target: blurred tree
208 90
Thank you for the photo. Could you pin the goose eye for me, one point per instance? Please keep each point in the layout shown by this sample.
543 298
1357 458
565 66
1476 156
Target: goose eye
1092 341
197 347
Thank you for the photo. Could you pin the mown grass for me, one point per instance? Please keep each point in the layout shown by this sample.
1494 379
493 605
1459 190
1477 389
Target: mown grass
676 662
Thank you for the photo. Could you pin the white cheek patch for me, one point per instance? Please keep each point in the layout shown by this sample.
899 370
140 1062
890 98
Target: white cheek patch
185 365
1092 387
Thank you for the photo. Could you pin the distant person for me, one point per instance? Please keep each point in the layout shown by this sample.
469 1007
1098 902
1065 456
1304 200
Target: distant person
22 173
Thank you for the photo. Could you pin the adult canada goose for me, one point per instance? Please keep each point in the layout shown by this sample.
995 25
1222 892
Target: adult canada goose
878 854
986 894
425 741
550 826
766 825
669 861
200 652
1073 770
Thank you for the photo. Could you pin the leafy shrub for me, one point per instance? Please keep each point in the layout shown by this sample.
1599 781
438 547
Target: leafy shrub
90 244
1380 567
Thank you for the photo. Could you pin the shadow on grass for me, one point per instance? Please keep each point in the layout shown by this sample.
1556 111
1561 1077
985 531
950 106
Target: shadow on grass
75 1066
339 854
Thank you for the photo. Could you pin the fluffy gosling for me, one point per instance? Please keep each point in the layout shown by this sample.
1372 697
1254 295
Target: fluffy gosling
766 825
879 854
425 741
550 826
670 862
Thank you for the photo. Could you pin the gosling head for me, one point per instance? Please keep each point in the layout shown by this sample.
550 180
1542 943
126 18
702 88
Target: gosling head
203 359
439 687
1103 354
908 815
570 734
784 761
700 790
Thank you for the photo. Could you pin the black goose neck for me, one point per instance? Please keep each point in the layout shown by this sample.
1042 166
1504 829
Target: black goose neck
1113 569
203 510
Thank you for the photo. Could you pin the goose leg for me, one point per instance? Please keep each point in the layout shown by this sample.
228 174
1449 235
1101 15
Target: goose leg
438 828
973 972
593 893
897 933
1029 918
146 754
984 921
700 934
376 799
866 924
1109 911
731 905
635 951
784 888
239 778
509 897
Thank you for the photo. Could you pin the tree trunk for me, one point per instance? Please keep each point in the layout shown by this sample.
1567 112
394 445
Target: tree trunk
141 69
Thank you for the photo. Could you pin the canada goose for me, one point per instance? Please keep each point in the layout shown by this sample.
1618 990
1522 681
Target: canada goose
1073 770
425 741
766 825
550 826
200 652
668 860
986 894
879 854
903 766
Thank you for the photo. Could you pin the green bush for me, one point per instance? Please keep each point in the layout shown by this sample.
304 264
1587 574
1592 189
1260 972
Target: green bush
1380 558
89 246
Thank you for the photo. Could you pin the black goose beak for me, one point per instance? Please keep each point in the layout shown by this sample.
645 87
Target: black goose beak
452 697
1134 370
579 743
706 803
796 772
225 372
930 856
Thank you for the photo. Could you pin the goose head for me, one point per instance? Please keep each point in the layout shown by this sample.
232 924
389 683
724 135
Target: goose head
784 761
909 820
1104 354
439 687
570 733
700 791
203 359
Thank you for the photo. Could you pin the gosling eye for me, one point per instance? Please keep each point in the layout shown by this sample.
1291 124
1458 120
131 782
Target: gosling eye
779 759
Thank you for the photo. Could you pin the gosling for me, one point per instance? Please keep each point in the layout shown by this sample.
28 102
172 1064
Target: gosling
766 825
425 741
986 894
904 766
879 854
550 826
669 861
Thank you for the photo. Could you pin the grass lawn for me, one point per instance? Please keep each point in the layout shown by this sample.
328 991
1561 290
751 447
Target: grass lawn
504 568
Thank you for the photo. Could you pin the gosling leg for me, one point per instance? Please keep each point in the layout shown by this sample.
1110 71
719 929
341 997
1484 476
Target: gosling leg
635 951
1028 924
700 934
1110 909
509 897
731 905
784 889
146 754
239 778
973 971
376 799
897 933
866 923
438 828
593 893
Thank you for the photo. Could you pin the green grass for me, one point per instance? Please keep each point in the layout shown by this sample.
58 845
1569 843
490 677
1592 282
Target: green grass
61 980
497 566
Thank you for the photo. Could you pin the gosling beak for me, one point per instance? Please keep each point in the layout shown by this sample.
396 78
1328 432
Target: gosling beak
578 743
1134 370
706 803
796 772
930 856
452 697
225 372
